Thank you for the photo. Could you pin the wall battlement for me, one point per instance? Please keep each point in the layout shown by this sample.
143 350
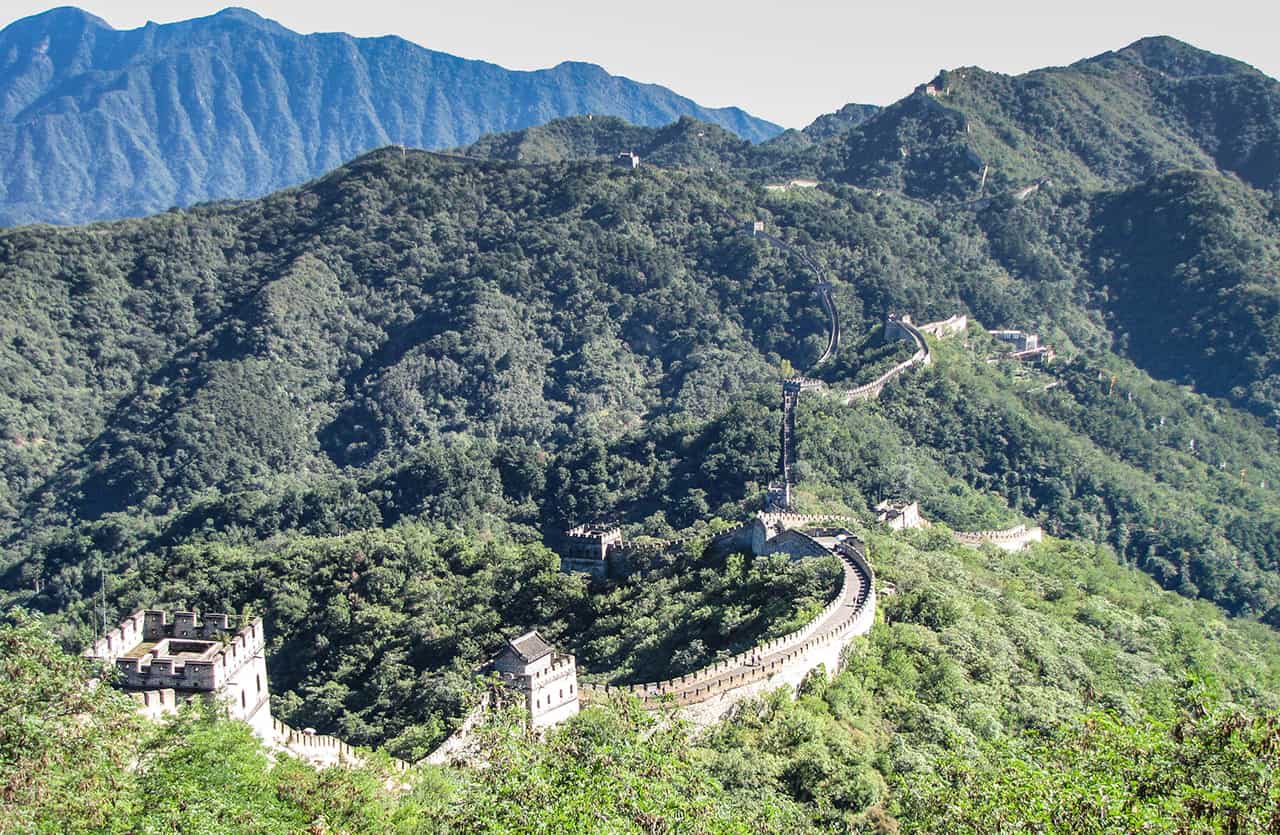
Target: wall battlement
1009 539
895 328
851 612
957 323
182 653
165 659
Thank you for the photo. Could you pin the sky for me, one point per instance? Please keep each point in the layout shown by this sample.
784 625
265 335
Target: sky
788 62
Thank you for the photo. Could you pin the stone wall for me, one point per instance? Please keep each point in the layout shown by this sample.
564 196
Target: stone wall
789 658
921 357
1009 539
153 673
461 745
944 328
321 750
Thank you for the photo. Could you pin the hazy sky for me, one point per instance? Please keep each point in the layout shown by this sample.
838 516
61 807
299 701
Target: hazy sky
785 61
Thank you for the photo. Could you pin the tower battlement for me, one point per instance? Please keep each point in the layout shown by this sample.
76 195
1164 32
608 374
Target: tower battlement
182 653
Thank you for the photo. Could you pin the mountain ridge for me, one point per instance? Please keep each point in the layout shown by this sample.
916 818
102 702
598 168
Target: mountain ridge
101 123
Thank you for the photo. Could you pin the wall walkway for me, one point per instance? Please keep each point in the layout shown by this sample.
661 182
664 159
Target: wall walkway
780 661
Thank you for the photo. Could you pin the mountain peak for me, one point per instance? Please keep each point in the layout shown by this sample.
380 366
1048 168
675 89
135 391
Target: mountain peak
238 16
1174 58
60 17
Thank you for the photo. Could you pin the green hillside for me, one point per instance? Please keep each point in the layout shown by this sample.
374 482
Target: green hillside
367 407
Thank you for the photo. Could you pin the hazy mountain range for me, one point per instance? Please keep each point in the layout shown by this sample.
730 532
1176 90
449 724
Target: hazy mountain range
99 123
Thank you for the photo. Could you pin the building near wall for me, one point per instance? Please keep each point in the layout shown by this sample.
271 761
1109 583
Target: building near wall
166 659
1020 340
546 681
1026 346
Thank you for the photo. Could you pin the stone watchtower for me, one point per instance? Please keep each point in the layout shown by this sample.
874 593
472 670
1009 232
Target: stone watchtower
586 548
546 680
165 660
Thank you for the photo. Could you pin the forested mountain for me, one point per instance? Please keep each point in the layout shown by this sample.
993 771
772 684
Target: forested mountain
365 407
547 343
1109 121
99 123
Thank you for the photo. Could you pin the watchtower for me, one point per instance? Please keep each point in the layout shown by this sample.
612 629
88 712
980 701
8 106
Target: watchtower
586 548
546 680
164 659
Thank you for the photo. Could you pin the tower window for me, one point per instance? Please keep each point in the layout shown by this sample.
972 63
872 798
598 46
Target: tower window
243 702
258 679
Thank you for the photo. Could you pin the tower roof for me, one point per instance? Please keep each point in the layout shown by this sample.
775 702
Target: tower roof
529 646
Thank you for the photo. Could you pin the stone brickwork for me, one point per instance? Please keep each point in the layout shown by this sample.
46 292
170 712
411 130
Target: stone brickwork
900 516
895 328
945 328
1026 346
545 680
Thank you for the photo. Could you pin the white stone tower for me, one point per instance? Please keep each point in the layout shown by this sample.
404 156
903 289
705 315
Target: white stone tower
547 680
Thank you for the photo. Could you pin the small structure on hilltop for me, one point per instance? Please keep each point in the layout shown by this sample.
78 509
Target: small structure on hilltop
167 660
1026 346
628 160
900 516
544 679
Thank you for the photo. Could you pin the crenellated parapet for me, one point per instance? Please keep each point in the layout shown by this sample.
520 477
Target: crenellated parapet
183 653
600 550
785 659
1009 539
900 516
895 327
948 327
163 659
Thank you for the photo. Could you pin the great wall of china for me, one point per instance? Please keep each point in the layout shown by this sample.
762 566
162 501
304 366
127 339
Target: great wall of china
140 646
707 694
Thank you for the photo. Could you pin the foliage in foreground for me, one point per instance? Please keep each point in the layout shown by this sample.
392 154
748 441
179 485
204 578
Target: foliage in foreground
75 758
1168 772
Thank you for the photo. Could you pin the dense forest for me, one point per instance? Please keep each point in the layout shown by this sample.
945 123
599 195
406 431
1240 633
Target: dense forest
1058 689
367 407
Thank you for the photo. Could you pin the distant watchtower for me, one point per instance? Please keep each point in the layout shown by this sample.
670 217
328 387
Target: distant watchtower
546 680
165 660
586 548
628 160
